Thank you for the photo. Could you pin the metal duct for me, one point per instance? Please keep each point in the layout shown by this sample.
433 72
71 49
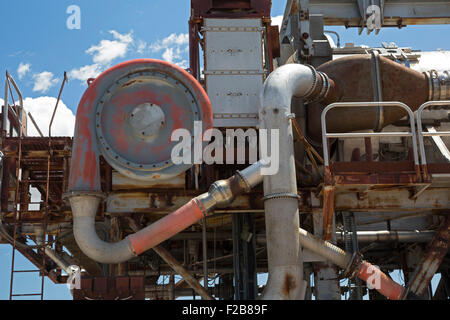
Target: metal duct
361 78
84 209
280 190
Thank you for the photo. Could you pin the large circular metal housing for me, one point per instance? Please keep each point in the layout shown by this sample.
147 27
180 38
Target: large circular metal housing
138 104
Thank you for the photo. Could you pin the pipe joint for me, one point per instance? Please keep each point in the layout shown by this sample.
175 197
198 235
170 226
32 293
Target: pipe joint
439 85
354 266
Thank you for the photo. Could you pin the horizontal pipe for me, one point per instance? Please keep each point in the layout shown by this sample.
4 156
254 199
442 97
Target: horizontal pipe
85 205
60 262
389 236
373 236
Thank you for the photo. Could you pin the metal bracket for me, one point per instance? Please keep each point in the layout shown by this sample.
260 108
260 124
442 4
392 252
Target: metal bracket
377 89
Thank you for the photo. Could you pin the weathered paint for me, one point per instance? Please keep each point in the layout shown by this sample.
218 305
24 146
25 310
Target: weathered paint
85 172
387 287
166 227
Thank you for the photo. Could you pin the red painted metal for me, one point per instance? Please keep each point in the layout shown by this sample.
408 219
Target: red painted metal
85 172
166 227
110 288
383 284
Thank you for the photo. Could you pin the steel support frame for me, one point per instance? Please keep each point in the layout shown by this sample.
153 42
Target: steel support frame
435 253
244 257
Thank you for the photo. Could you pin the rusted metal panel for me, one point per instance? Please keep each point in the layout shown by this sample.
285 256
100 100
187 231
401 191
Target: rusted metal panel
328 212
225 9
162 203
393 199
121 182
110 288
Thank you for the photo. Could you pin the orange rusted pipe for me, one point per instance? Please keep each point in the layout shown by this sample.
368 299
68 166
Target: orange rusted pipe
380 281
166 227
85 205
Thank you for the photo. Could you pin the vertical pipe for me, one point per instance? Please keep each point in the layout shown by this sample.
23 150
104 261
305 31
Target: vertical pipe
280 190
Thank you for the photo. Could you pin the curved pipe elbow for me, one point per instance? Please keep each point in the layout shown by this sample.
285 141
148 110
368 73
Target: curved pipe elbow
294 80
84 209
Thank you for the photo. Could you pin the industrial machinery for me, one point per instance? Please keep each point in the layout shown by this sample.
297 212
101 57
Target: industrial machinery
362 186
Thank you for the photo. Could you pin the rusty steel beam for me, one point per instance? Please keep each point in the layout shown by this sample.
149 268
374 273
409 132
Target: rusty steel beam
435 254
176 266
328 212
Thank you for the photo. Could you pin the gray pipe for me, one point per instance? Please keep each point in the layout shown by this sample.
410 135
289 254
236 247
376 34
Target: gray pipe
60 262
325 249
389 236
280 190
378 236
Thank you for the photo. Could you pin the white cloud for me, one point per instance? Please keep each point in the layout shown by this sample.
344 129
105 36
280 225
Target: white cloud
108 50
277 21
44 81
170 41
86 72
23 69
174 48
142 45
104 54
42 109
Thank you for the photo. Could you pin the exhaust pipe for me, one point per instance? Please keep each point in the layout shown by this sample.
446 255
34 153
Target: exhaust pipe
373 78
85 205
353 265
285 280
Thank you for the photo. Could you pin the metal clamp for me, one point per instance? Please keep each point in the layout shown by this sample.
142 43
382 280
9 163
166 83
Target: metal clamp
353 267
377 89
281 195
439 85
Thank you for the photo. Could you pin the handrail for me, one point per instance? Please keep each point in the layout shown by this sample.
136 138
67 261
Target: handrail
326 135
420 131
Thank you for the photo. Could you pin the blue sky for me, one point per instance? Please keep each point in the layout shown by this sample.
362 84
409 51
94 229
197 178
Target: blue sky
113 31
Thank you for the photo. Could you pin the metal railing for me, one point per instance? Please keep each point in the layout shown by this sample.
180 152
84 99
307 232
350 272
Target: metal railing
326 135
422 133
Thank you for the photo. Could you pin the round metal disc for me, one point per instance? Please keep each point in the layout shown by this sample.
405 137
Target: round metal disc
140 105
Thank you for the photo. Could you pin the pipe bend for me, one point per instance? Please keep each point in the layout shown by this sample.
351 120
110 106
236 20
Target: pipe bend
85 205
281 208
293 80
84 208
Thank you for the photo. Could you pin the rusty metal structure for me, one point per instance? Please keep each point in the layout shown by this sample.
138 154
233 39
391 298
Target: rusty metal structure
362 188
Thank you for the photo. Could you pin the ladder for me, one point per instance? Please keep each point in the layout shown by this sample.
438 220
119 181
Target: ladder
19 185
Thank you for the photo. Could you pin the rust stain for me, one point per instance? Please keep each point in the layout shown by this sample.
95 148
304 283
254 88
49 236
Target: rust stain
289 284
